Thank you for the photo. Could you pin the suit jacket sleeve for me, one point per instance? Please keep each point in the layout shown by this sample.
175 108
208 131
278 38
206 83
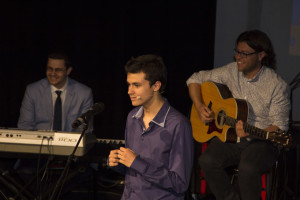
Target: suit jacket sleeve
87 103
27 116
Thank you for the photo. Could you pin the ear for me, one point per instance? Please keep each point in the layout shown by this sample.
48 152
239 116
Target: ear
156 86
69 70
261 55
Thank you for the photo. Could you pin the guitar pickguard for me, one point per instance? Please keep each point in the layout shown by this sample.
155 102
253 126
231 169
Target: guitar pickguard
212 127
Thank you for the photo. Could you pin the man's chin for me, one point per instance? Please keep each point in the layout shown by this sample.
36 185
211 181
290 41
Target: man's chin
53 83
135 103
240 68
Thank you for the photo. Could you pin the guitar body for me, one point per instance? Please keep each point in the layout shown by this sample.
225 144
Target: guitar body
219 99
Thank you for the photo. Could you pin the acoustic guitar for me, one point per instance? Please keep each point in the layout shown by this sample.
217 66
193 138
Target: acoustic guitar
226 112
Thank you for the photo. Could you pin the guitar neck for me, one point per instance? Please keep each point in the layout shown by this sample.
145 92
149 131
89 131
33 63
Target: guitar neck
252 130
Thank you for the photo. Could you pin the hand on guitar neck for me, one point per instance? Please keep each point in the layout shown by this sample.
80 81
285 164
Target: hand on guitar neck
239 129
207 115
220 115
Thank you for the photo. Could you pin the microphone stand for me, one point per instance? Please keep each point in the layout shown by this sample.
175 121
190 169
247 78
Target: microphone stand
23 189
68 164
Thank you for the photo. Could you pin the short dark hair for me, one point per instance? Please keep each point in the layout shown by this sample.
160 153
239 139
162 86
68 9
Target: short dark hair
61 56
259 41
152 65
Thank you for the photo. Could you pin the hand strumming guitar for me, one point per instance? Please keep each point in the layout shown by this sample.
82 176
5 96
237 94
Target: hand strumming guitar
204 113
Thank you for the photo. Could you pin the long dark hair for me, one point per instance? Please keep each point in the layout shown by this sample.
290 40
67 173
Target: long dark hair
259 41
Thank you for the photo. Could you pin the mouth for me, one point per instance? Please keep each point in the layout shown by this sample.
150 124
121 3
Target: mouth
239 61
135 98
53 79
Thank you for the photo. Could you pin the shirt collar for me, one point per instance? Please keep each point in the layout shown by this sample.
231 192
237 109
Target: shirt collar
256 77
160 117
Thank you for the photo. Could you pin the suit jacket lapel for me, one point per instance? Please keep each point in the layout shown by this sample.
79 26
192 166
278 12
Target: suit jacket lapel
47 98
68 100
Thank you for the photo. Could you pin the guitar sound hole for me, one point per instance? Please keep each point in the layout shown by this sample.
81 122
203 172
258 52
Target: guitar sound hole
221 118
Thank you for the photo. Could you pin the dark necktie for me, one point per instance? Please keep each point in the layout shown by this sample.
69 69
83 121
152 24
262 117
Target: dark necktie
57 112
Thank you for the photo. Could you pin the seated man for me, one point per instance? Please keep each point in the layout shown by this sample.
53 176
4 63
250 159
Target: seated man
53 103
252 78
38 106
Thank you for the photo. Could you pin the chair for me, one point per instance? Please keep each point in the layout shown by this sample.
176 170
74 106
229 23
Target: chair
269 179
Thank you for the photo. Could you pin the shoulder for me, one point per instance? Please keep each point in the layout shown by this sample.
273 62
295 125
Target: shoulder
231 67
227 70
273 83
228 66
174 116
273 77
43 83
79 86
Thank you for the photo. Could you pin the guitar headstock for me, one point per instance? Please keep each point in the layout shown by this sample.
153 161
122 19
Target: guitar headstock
280 138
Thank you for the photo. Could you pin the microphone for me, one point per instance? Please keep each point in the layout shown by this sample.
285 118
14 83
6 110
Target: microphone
85 117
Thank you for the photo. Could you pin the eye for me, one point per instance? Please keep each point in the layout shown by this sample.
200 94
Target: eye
59 69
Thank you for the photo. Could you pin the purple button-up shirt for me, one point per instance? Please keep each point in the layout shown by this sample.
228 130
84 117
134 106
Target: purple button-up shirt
164 152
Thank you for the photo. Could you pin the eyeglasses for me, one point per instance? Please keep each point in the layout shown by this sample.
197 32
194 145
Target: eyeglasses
56 70
243 54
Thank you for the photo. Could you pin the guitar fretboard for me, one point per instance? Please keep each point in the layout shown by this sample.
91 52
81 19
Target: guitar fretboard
252 130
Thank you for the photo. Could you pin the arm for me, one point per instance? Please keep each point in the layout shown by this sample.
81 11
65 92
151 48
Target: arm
88 102
203 111
219 75
113 161
174 175
279 108
85 105
27 112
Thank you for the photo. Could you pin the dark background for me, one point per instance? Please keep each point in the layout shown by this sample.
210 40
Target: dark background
100 36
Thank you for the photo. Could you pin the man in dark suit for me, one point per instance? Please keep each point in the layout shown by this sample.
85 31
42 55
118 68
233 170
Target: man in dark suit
37 110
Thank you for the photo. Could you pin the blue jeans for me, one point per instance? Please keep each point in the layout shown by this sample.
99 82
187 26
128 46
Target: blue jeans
252 158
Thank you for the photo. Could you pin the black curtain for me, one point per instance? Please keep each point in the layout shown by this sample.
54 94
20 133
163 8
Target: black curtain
100 36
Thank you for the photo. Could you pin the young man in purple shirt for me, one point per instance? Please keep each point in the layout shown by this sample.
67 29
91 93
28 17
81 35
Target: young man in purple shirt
158 154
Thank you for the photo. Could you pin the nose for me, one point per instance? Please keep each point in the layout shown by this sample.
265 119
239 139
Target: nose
237 56
53 72
130 90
